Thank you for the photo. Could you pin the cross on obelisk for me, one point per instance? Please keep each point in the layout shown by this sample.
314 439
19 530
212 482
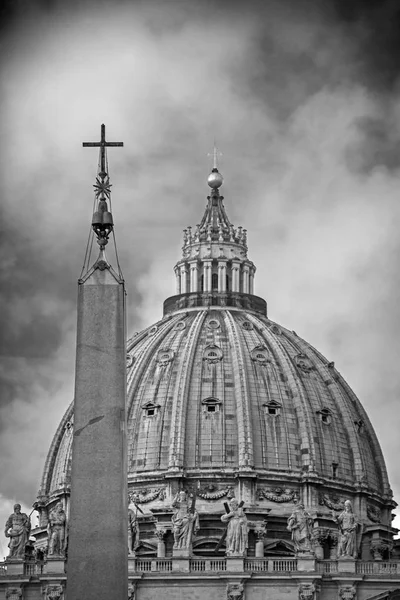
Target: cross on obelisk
103 145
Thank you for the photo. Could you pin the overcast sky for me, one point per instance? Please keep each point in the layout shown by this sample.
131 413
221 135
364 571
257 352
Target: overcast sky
303 99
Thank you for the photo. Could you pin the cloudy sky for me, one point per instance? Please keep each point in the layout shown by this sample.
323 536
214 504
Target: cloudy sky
303 99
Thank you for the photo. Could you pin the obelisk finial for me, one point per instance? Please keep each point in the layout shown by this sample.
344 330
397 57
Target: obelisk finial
102 222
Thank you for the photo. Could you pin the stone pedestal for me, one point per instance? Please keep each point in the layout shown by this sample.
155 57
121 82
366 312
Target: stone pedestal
306 562
181 552
54 564
235 563
15 566
180 563
260 549
160 549
131 564
346 565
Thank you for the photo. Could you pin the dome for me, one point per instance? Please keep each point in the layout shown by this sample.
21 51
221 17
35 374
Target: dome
224 401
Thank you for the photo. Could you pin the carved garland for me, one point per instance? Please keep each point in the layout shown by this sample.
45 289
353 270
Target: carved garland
146 496
347 592
235 591
334 503
13 593
374 513
216 495
307 591
277 494
53 592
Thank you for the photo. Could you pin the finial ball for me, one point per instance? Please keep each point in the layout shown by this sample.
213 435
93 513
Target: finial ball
215 179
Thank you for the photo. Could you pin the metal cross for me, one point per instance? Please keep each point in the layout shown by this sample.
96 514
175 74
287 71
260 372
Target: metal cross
215 154
102 144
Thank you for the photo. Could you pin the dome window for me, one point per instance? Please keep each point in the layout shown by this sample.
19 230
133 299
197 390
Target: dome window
247 325
213 324
151 409
275 329
211 405
260 354
325 415
359 426
303 363
180 325
153 330
165 356
212 354
272 409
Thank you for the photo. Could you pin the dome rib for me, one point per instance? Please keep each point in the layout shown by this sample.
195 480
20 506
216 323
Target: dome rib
382 486
179 407
245 433
307 446
145 392
260 339
52 456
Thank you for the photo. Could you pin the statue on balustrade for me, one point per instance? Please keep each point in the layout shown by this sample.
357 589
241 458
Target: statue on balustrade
300 524
56 531
237 530
133 531
17 528
185 521
347 531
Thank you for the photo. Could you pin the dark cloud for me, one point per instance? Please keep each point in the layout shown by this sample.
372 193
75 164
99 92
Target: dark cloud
375 26
378 144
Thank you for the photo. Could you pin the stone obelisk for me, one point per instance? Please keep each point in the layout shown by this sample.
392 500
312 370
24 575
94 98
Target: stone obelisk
97 564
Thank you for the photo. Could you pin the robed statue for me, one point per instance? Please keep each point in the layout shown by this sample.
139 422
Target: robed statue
17 528
300 524
237 530
56 531
185 521
347 531
133 531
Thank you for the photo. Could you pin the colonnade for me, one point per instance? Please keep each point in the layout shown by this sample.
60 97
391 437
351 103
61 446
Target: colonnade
215 275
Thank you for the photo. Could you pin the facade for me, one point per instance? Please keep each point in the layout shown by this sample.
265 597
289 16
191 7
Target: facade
253 469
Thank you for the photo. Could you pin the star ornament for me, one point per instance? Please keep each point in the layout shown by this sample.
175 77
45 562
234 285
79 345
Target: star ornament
102 187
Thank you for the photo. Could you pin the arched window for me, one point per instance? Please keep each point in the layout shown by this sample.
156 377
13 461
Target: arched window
214 282
202 283
227 283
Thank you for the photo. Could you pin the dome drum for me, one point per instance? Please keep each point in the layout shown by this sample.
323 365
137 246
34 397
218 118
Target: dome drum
238 300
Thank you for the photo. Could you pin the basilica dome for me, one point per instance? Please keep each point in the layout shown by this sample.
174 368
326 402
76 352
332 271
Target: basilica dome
224 401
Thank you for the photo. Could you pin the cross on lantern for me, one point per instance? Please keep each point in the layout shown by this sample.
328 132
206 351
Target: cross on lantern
102 145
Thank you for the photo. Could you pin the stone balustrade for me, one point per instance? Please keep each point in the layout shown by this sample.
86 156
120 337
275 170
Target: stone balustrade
216 565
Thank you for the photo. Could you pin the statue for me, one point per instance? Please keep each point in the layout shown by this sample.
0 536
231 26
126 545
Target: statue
133 531
300 523
236 532
347 531
56 531
17 528
185 521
